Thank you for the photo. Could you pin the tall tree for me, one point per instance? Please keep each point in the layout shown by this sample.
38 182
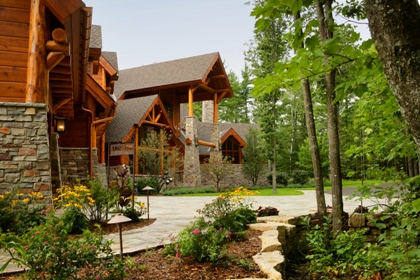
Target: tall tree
253 165
393 26
326 23
265 50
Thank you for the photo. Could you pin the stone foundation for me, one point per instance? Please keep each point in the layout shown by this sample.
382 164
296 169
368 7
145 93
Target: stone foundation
236 179
24 148
75 165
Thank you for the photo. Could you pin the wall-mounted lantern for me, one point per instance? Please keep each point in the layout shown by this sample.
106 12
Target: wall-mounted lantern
60 124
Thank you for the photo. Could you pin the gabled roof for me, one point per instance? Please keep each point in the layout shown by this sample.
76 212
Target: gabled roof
129 112
99 93
96 37
177 75
112 59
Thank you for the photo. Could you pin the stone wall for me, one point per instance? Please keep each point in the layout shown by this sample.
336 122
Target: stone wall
235 179
75 165
192 175
24 148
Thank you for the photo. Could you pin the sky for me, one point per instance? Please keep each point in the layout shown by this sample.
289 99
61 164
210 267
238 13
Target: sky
143 32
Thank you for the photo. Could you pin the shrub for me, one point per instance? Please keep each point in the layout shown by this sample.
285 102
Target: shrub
51 254
103 199
299 177
267 211
181 191
282 178
75 222
19 211
141 183
134 214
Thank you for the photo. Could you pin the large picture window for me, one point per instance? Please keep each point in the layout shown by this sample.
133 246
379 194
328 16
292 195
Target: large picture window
232 150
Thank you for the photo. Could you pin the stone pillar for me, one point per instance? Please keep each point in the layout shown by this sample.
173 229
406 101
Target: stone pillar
215 138
24 148
207 111
192 175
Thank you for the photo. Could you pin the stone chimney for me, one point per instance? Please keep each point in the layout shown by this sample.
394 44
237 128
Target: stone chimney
207 111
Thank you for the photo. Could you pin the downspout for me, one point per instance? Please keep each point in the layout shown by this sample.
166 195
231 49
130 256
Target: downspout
92 124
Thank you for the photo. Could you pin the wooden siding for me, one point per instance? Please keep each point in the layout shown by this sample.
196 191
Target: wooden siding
14 41
77 131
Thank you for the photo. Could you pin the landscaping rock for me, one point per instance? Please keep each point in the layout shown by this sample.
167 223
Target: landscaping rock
271 263
270 241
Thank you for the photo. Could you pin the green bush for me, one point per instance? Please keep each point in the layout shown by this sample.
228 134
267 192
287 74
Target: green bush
104 198
181 191
75 221
299 177
282 178
151 181
19 211
49 253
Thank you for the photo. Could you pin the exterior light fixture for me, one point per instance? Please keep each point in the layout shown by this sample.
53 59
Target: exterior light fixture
119 219
147 189
60 125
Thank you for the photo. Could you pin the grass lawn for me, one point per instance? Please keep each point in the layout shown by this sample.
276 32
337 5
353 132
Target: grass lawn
295 191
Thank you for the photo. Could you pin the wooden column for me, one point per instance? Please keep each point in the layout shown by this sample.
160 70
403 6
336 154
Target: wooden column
103 148
215 110
37 76
190 103
136 144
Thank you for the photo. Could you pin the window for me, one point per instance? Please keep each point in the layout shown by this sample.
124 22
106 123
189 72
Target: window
232 150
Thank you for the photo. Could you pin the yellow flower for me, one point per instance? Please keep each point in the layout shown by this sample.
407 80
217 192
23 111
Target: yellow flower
2 196
26 200
14 202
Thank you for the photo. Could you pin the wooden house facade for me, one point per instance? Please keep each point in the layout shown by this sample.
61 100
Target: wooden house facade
51 79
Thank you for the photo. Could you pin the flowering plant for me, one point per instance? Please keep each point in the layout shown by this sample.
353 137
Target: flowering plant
20 211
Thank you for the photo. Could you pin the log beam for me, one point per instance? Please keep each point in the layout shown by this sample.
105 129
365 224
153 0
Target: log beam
37 75
60 103
205 143
53 46
53 59
221 97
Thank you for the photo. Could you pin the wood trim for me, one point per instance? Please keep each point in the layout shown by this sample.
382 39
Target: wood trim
37 77
97 92
215 109
55 47
107 66
232 132
221 96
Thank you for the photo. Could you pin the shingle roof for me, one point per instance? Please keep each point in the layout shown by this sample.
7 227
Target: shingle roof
111 57
96 37
129 112
165 73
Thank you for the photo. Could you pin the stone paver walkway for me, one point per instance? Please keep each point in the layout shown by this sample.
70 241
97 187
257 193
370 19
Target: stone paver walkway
173 214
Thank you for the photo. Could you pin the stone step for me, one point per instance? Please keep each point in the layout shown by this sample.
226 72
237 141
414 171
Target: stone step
271 263
291 220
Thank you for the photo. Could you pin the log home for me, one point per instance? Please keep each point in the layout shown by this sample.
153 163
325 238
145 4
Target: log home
51 81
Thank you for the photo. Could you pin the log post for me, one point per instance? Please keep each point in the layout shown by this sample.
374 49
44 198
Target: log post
215 110
190 103
37 76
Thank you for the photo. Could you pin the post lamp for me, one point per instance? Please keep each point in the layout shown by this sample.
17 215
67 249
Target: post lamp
119 219
147 189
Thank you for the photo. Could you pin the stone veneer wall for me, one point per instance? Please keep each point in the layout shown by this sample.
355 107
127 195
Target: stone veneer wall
24 148
236 179
75 165
192 172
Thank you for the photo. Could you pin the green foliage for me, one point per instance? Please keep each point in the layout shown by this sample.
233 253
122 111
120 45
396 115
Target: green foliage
103 199
151 181
181 191
282 178
49 253
223 220
218 168
19 211
299 177
75 221
253 164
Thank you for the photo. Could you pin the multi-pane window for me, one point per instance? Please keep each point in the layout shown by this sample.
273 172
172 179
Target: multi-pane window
232 150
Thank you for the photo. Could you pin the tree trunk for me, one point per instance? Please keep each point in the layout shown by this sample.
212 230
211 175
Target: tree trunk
313 145
394 29
274 178
333 138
